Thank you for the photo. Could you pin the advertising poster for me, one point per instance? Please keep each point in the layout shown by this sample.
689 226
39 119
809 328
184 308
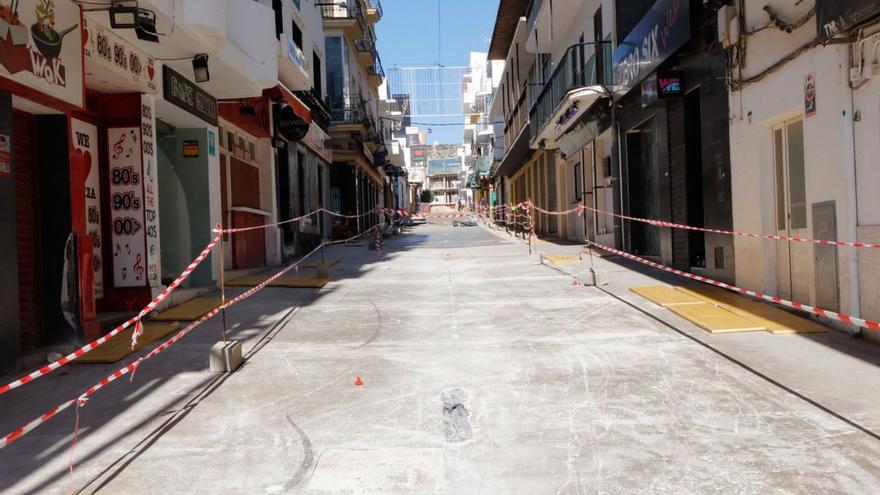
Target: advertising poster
41 47
151 190
84 137
127 207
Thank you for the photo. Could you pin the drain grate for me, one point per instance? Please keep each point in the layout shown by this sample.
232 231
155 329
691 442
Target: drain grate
456 422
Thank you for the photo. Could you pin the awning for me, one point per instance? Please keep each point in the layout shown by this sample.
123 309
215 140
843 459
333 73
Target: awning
280 93
573 105
517 154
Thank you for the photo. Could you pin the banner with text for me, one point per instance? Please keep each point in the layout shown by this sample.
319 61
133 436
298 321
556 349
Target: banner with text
127 206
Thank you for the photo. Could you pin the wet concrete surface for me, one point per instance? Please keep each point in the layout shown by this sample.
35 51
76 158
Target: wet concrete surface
482 373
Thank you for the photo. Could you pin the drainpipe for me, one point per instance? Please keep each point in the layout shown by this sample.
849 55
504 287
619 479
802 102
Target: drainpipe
852 179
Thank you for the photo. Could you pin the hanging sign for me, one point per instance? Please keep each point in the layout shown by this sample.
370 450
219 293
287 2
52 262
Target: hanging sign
151 190
662 31
810 95
670 85
107 49
127 206
291 126
41 47
186 95
85 144
837 16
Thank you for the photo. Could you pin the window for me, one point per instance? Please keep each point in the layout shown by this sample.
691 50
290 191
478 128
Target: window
296 34
230 141
317 84
252 151
578 181
790 174
222 136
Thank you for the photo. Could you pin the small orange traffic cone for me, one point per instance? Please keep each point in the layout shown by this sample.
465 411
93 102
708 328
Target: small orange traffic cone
574 281
357 381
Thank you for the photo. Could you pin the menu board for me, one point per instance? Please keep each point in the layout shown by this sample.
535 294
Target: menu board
127 206
85 145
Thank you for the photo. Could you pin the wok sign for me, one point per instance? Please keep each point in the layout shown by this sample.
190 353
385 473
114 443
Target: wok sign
41 47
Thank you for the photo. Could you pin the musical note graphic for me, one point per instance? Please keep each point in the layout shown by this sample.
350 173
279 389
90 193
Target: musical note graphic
138 267
117 147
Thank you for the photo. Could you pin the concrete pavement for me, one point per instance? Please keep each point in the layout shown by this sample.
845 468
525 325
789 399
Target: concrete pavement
482 374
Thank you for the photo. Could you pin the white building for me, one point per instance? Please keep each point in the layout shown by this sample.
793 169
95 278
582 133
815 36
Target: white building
804 119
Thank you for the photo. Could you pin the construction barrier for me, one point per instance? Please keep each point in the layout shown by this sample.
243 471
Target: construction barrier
806 308
132 368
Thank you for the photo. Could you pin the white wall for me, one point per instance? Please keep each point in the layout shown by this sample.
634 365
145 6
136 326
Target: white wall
828 145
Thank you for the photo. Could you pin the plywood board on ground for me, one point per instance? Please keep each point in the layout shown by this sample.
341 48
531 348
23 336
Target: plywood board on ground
714 319
775 320
289 281
664 295
190 310
119 347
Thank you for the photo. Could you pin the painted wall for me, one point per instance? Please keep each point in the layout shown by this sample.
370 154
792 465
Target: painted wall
828 149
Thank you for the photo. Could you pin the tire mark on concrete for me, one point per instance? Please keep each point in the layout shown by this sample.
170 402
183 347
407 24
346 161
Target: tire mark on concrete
308 464
378 325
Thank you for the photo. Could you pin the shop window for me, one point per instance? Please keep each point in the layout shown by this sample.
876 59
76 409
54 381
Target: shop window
222 137
230 141
252 151
578 181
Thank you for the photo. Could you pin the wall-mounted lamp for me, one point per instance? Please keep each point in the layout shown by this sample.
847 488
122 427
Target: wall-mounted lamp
200 68
123 16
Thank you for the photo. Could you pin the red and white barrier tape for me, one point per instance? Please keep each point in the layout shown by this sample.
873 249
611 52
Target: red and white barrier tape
45 370
132 368
265 226
851 320
663 223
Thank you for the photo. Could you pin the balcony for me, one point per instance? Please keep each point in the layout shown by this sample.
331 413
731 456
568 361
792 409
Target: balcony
532 15
374 11
375 72
345 15
320 112
366 48
349 113
569 93
517 120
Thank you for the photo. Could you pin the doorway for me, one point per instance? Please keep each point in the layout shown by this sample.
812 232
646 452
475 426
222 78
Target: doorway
693 121
793 258
644 198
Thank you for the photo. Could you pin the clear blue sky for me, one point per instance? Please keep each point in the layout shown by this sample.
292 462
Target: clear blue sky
408 37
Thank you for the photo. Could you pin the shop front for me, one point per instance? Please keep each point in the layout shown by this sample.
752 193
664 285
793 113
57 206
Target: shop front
302 164
188 161
47 255
674 140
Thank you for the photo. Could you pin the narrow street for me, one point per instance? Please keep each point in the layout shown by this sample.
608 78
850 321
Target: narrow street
482 373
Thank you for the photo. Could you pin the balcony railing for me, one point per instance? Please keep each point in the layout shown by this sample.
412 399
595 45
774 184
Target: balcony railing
517 119
376 69
348 111
320 112
365 45
570 74
344 10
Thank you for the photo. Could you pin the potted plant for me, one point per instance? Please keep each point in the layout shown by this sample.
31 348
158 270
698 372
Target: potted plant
14 54
46 38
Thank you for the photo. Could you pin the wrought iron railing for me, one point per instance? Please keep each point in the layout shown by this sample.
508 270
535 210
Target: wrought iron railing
376 69
345 9
569 74
320 112
350 110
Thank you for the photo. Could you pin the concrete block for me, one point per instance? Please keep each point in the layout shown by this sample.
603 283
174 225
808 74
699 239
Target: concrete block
225 357
536 259
600 277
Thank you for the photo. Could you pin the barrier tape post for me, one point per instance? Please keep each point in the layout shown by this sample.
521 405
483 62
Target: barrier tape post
321 231
222 285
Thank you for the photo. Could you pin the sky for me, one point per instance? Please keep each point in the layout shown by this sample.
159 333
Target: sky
408 37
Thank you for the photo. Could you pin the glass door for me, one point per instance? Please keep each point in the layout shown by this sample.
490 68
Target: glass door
793 258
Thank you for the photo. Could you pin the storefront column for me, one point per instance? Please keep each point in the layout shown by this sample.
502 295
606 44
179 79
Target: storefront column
10 341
